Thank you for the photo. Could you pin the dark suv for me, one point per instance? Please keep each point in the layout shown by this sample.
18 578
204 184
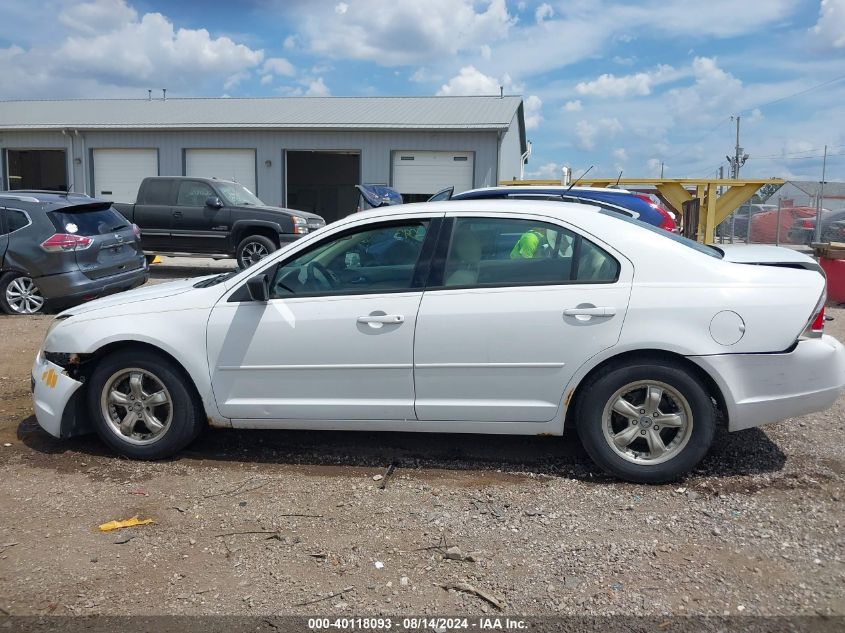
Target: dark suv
58 249
206 216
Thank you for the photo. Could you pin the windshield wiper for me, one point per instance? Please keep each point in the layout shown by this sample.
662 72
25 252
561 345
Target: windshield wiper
213 281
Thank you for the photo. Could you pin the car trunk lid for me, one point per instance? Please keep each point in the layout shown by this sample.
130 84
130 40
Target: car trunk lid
114 247
764 255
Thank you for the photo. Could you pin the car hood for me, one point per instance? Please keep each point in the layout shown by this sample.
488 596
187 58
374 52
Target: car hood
144 293
286 212
762 254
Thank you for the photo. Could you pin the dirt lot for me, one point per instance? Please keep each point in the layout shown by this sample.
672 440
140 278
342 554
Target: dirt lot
758 529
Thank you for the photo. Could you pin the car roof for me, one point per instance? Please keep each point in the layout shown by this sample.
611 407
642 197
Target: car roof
545 188
38 195
567 211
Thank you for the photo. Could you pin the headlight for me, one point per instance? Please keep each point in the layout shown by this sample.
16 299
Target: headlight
300 225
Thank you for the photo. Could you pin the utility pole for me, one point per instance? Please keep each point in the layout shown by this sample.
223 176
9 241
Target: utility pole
738 159
661 170
820 201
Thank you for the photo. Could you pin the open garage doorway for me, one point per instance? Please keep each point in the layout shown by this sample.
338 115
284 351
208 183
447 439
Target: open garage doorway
323 182
36 169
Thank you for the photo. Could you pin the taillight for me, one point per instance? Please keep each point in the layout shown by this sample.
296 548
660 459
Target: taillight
136 230
815 327
66 242
818 322
807 224
667 222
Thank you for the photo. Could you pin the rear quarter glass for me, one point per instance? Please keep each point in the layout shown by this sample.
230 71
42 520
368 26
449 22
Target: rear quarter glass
90 222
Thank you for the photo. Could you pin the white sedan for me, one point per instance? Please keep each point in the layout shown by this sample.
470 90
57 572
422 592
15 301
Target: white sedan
511 317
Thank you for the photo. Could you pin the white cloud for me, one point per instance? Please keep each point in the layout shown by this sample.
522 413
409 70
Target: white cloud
587 133
620 154
573 106
543 12
279 66
830 27
97 16
317 88
532 106
139 51
266 80
232 81
714 93
547 171
609 85
106 49
404 32
486 52
291 42
471 81
341 8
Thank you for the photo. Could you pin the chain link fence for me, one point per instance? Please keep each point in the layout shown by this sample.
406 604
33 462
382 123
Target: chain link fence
788 220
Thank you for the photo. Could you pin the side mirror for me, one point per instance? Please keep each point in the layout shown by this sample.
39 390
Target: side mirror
259 287
214 202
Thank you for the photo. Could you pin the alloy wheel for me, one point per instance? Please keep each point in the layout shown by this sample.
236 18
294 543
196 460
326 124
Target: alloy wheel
254 252
23 296
136 405
647 422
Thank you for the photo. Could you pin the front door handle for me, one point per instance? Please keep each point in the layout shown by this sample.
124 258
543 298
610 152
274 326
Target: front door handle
590 312
177 214
382 318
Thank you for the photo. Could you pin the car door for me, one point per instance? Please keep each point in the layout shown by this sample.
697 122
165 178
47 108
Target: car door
518 305
153 213
335 339
197 227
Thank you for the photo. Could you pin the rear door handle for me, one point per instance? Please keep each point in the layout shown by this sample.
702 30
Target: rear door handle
590 312
382 318
177 214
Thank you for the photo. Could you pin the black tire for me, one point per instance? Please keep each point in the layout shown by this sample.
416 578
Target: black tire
251 248
6 284
187 418
693 440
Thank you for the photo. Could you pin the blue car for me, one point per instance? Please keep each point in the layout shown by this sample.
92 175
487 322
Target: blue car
622 201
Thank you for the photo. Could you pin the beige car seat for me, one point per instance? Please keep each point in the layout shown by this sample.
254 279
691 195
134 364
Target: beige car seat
462 269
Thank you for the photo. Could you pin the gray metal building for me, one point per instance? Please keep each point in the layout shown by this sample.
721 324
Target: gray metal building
300 152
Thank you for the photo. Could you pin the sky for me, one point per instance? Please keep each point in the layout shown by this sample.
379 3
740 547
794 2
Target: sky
623 86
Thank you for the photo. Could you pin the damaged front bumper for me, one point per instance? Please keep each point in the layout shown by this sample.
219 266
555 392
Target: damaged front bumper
54 397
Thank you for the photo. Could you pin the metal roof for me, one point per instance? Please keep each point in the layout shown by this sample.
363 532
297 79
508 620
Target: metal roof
428 113
832 189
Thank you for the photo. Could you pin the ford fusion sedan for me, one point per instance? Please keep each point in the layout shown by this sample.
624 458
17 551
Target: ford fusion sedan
489 316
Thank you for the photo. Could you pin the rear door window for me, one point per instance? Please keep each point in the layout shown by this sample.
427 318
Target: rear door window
89 222
156 192
16 220
489 252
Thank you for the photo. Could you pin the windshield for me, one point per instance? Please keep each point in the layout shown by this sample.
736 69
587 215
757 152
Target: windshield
238 195
706 249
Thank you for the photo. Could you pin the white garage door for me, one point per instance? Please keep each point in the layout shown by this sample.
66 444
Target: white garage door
223 164
428 172
118 172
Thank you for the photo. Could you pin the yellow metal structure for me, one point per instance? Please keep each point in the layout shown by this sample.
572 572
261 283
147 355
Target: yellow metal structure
676 191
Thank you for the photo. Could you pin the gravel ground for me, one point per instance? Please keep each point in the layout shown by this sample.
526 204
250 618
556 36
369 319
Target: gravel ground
260 522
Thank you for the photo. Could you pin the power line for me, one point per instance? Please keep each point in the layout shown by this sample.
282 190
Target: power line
795 94
793 157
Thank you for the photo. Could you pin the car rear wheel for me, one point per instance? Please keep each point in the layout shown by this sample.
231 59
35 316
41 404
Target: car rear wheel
143 405
646 422
253 249
19 294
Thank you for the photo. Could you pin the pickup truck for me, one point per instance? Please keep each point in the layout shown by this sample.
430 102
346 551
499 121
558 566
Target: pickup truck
205 216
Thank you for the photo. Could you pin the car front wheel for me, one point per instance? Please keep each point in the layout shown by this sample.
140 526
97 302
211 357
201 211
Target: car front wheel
253 249
646 422
19 294
142 404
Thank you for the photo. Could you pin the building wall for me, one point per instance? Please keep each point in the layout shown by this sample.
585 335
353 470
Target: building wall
510 154
375 149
